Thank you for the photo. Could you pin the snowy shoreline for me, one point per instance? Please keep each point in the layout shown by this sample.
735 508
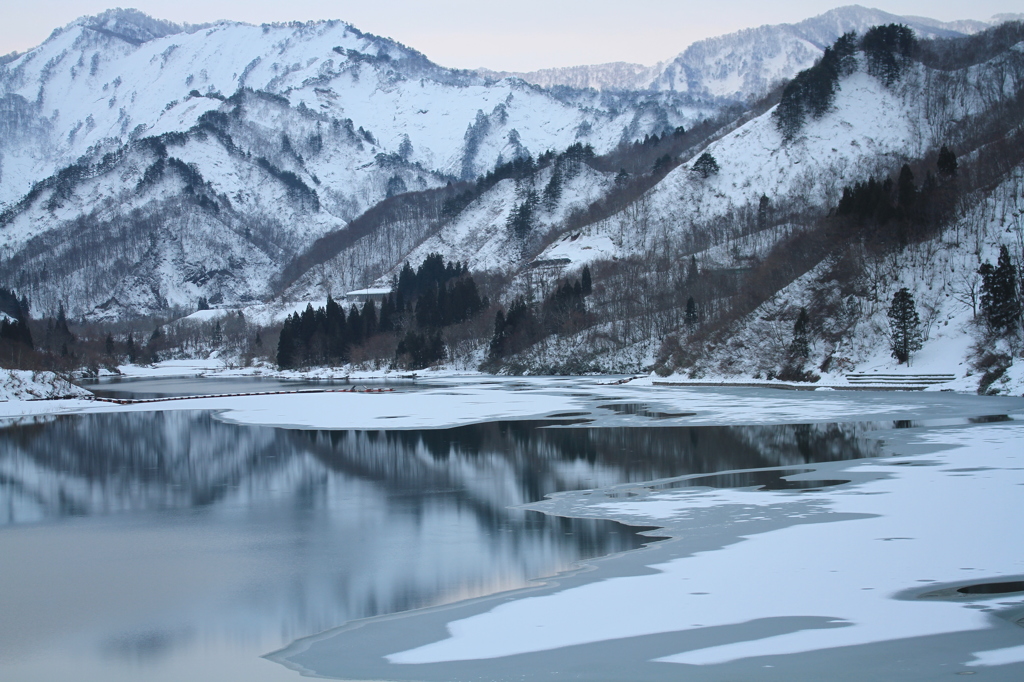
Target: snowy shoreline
931 375
444 400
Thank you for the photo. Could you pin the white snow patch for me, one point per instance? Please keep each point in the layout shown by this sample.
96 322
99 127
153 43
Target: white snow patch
870 542
20 385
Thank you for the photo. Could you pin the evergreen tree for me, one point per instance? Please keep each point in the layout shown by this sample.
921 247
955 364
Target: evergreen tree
906 189
10 304
762 212
520 220
396 185
904 326
947 162
307 329
888 50
515 330
418 351
706 165
801 347
285 344
789 115
692 272
16 331
108 345
61 336
405 148
585 282
405 292
564 310
355 326
691 312
553 190
1000 304
426 308
812 91
337 331
500 335
369 316
387 312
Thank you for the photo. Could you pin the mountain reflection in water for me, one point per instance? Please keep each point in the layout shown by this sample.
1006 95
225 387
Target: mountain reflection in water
95 464
264 535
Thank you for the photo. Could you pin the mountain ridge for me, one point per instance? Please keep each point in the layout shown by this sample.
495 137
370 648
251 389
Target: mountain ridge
799 43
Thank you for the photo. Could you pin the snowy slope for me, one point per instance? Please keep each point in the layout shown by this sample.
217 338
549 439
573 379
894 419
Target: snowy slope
870 127
743 64
937 273
480 237
24 385
870 130
89 85
611 76
749 62
144 164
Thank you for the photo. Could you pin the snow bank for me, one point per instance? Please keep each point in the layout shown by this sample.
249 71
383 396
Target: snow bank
17 385
430 408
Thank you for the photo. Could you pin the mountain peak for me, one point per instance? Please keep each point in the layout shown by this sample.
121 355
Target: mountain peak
132 25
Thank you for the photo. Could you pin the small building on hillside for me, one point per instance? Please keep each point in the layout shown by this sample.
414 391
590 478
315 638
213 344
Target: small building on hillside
364 295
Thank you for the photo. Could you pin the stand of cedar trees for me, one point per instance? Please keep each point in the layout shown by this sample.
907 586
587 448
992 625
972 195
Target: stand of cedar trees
421 304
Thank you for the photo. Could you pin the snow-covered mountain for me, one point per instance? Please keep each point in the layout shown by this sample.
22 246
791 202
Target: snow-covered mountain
766 191
143 164
611 76
745 64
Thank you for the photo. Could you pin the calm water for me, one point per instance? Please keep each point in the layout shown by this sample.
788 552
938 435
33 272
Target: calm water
170 545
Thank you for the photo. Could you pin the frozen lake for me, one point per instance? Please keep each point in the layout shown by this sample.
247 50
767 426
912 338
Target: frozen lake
145 388
188 543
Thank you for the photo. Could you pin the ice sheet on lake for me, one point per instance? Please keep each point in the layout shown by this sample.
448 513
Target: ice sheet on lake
475 399
848 555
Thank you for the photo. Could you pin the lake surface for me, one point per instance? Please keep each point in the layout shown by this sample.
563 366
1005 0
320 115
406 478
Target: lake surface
172 545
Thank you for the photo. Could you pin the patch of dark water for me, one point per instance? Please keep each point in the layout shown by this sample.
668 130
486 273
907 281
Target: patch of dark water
643 410
993 588
979 595
990 419
960 591
762 480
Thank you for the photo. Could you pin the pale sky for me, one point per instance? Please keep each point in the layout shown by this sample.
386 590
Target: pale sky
521 35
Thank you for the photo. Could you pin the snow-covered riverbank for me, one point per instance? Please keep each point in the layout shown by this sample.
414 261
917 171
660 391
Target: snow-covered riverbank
22 385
